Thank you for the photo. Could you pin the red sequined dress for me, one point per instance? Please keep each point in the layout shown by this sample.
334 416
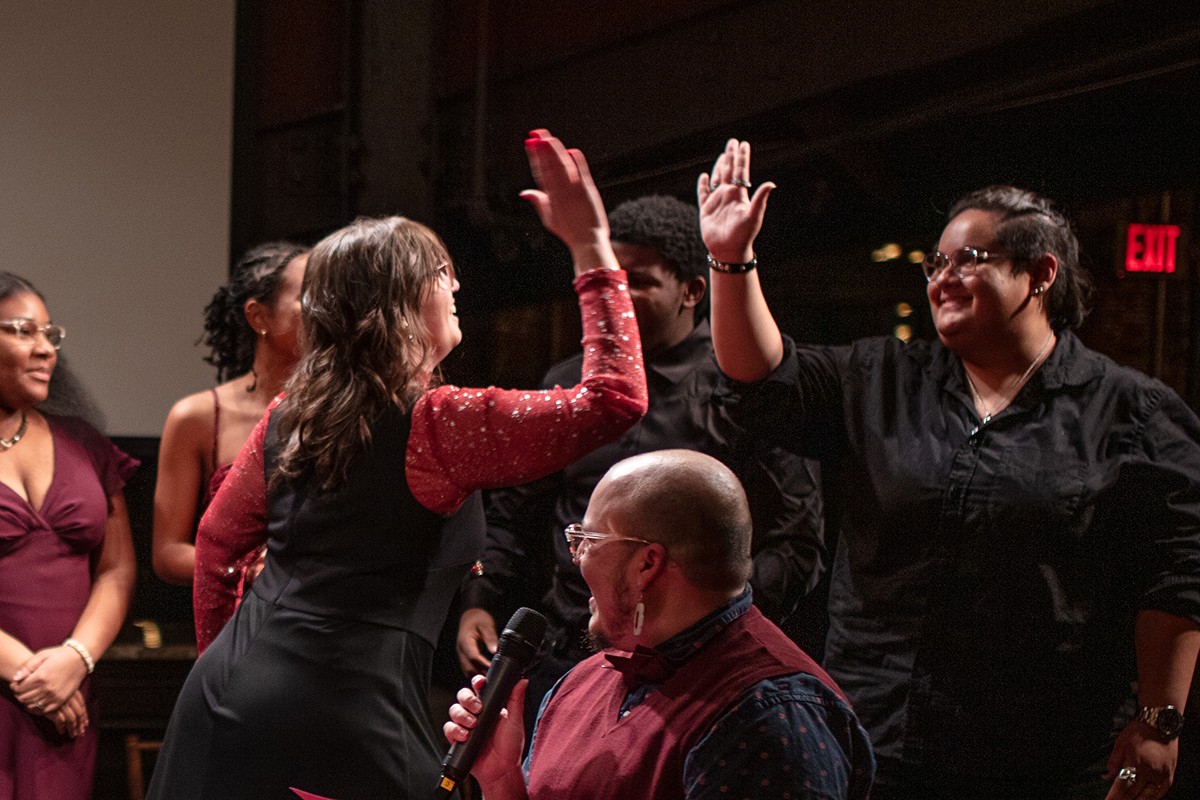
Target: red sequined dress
320 679
45 582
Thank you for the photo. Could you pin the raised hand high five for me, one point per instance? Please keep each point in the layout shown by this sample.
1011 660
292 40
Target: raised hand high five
730 217
568 202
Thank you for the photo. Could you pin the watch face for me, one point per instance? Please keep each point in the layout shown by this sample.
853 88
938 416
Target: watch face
1170 722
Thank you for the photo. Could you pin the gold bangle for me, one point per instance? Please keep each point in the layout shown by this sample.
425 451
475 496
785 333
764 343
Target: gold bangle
78 647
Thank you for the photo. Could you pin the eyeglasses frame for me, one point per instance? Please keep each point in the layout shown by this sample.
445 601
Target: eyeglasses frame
15 327
575 530
978 256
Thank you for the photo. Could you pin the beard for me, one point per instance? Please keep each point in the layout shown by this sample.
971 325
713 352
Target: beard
599 637
596 641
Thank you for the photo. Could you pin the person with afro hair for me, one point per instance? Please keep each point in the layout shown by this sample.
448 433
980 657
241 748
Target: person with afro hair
657 241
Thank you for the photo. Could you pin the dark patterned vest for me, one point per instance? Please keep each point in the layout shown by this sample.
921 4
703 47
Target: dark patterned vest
584 749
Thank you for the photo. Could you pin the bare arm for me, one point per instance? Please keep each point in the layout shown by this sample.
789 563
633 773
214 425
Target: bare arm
13 654
746 339
112 588
181 473
233 528
1167 648
54 674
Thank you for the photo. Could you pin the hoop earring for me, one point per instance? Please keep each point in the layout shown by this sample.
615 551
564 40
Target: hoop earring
639 617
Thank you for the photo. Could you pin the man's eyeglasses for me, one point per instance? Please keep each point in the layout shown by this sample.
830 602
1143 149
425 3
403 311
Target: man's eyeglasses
26 331
963 261
576 536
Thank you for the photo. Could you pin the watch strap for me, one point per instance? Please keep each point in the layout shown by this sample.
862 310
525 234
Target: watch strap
1165 719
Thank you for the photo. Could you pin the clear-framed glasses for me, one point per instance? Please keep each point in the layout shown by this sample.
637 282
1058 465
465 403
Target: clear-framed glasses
963 261
576 536
26 331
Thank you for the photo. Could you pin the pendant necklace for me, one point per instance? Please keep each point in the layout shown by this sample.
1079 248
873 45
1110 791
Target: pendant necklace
1004 401
6 444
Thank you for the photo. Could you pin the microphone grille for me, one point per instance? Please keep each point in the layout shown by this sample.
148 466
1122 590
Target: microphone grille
528 625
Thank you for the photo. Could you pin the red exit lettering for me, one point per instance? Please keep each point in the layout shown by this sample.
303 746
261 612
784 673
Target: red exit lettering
1150 248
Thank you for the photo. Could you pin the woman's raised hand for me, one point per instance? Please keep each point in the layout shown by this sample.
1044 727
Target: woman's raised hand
567 201
730 217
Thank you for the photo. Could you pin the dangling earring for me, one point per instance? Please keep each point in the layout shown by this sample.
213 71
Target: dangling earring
406 330
639 617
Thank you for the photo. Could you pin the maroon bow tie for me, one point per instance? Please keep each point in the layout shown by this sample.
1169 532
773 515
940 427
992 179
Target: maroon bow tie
641 666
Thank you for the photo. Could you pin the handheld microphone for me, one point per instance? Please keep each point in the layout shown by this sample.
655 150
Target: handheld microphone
518 645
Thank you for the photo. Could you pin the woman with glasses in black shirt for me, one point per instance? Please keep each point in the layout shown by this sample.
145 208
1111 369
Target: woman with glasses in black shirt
1021 537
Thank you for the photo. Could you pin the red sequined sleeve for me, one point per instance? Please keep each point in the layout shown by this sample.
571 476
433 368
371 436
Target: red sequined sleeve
230 534
468 439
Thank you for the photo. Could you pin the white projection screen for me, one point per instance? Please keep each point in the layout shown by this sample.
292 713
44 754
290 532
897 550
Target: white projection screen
115 148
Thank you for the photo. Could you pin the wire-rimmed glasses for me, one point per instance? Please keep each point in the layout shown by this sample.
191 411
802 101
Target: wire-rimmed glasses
963 261
576 536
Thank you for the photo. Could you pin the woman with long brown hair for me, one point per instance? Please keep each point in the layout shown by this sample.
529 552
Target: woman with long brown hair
361 481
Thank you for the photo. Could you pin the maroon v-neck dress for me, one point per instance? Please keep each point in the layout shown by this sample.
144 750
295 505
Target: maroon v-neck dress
45 581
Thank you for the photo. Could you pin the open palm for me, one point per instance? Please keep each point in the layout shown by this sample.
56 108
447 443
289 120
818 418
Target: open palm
730 217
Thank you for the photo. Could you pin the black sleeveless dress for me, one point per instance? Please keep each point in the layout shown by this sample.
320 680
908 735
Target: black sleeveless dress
320 681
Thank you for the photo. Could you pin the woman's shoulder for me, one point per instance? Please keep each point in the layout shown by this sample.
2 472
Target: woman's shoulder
1080 365
75 428
112 464
1122 389
192 417
193 407
872 351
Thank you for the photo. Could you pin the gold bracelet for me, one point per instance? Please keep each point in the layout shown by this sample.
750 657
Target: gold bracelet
732 268
78 647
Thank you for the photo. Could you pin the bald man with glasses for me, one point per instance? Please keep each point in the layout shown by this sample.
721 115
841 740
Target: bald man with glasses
692 693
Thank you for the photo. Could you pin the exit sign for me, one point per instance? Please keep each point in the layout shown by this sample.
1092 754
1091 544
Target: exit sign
1151 248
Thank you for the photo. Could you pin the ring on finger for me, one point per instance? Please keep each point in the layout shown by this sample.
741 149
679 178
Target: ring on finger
1127 774
739 182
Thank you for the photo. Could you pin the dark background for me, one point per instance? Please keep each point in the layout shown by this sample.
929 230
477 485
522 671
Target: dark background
872 118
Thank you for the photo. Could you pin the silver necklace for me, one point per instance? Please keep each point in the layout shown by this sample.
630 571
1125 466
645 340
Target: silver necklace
6 444
1004 401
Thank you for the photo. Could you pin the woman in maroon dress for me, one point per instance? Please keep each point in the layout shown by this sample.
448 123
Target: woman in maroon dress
66 562
362 482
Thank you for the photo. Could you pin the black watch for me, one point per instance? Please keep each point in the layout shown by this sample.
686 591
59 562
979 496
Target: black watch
1165 719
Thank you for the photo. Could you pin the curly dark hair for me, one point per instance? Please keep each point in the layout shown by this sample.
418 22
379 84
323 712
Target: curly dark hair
226 332
1030 227
670 226
365 343
67 396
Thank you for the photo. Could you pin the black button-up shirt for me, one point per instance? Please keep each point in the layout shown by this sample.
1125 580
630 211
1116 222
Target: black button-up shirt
987 578
685 411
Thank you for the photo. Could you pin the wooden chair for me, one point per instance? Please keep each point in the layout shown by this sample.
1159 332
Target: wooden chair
134 748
